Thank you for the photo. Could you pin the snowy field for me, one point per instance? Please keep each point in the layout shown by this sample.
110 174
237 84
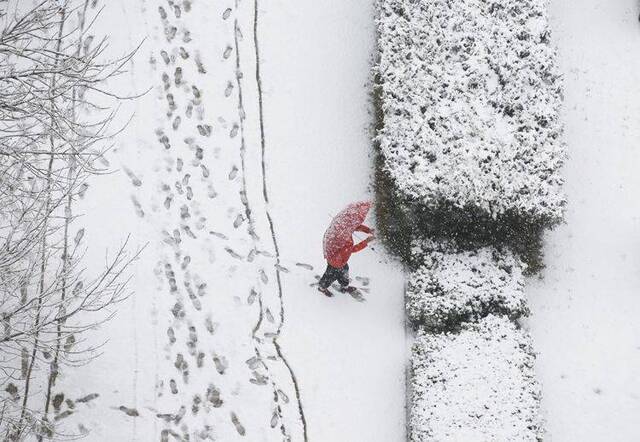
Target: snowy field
335 366
585 307
252 129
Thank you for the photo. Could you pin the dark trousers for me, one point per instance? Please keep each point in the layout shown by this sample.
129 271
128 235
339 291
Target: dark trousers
333 274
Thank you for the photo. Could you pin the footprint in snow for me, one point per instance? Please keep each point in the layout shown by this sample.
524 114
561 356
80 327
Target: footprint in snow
357 295
165 57
227 52
164 140
204 130
87 43
58 399
172 103
166 81
269 316
275 418
177 11
83 190
265 253
252 296
213 396
238 221
173 386
258 379
199 65
63 415
88 398
176 122
188 231
220 363
226 13
183 53
132 176
128 411
205 171
177 76
233 173
234 130
178 310
304 266
253 363
263 277
233 254
281 268
170 33
137 206
195 405
163 13
210 325
186 36
228 90
200 360
218 235
172 335
236 423
186 4
283 396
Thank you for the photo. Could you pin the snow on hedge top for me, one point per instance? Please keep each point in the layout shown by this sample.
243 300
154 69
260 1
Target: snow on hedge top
470 99
449 285
477 385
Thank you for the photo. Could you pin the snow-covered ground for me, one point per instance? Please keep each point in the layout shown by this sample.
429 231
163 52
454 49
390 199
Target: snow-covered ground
279 359
587 304
316 61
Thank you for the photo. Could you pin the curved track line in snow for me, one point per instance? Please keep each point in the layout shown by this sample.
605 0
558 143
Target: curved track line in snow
274 239
251 223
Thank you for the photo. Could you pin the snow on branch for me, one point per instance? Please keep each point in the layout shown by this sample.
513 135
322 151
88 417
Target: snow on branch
470 96
476 385
448 286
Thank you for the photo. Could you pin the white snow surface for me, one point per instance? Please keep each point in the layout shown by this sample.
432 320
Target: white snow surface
470 96
449 285
476 385
224 337
585 307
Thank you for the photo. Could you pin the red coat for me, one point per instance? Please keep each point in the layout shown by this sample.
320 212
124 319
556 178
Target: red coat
341 257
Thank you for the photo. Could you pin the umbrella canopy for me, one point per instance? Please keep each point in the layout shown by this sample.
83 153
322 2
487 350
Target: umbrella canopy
338 234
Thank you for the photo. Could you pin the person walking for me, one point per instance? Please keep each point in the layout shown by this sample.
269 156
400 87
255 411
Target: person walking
338 245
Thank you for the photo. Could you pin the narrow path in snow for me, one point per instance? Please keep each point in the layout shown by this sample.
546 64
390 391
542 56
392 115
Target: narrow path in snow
587 304
313 75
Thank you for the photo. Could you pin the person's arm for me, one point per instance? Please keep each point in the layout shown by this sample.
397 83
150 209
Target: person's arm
361 245
364 229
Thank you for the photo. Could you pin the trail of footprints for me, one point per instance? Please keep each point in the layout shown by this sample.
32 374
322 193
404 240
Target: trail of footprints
179 66
181 70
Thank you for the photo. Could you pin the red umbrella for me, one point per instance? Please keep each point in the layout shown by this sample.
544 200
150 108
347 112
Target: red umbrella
338 234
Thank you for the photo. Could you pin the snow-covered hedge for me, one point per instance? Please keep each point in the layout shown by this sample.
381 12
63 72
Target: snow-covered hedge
477 385
470 96
448 286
